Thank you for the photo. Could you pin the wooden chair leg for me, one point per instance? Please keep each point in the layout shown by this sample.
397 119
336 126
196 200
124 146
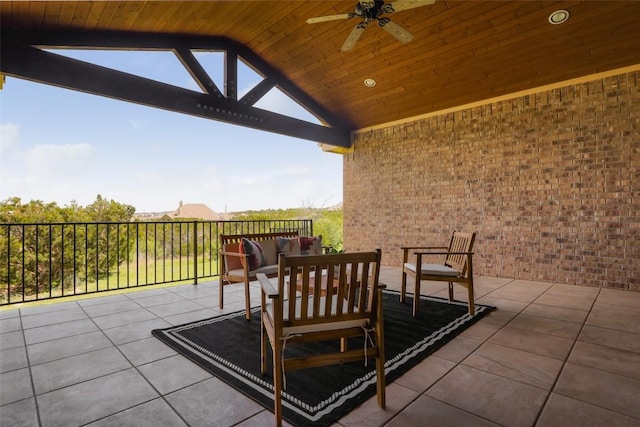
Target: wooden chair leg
380 379
472 305
403 288
247 298
450 291
221 297
277 382
416 297
263 349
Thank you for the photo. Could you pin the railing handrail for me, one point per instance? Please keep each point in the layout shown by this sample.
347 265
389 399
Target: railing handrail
173 221
43 260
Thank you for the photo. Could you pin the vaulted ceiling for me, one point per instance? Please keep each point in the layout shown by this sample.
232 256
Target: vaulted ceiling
462 51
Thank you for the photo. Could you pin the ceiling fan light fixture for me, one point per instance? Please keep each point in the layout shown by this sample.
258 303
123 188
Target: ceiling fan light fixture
558 17
369 82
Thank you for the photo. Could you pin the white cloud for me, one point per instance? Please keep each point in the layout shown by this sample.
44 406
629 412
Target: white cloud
297 169
9 134
65 159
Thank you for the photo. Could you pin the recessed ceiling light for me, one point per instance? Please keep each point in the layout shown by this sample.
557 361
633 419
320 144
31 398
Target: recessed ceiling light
369 82
559 16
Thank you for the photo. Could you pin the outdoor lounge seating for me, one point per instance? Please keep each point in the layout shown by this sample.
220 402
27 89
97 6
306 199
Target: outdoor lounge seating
296 314
457 267
243 256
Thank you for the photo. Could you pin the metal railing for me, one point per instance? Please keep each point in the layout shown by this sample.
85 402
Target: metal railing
51 260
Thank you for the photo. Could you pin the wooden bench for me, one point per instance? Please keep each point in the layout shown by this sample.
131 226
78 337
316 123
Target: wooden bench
233 270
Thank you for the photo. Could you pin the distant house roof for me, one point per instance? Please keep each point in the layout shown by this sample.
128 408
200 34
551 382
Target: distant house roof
197 211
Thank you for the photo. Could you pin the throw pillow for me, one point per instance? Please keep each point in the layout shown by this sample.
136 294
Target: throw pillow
270 250
255 252
288 246
311 245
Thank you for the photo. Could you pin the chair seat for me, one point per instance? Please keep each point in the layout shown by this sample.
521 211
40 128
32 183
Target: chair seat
433 269
269 270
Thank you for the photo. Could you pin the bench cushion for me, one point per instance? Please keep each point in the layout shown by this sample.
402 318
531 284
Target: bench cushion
269 270
434 269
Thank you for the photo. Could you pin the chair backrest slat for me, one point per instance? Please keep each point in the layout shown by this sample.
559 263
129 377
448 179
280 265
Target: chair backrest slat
328 288
460 242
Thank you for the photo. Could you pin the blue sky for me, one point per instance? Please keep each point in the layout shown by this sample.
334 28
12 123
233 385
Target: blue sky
59 145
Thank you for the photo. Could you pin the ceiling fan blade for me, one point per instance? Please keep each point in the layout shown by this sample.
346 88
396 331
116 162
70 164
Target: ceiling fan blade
398 31
354 36
330 18
399 5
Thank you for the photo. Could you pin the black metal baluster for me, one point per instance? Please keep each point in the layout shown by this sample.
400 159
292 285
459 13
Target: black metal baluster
37 262
137 254
50 261
128 254
164 252
146 253
118 257
86 257
22 262
172 250
107 251
75 266
97 259
155 252
62 259
195 252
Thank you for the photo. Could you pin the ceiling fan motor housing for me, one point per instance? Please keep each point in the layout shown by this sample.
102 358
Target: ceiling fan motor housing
370 10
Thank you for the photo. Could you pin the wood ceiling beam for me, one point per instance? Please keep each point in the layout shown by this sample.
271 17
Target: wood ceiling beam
22 57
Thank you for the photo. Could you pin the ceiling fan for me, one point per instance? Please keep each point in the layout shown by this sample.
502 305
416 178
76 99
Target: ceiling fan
370 11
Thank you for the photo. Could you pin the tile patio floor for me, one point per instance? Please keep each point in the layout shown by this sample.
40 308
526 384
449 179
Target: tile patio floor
550 355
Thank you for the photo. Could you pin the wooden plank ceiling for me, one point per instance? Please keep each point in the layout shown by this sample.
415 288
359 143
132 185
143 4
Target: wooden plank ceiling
462 52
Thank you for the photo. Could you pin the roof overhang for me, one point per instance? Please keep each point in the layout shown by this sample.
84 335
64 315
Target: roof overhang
27 55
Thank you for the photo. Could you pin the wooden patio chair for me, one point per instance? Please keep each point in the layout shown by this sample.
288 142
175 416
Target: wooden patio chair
295 311
457 267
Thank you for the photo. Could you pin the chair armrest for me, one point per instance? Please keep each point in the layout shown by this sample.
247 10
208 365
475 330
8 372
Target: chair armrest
407 249
444 253
267 287
236 254
423 247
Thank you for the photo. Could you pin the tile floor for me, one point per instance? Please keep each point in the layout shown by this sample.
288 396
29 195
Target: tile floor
550 355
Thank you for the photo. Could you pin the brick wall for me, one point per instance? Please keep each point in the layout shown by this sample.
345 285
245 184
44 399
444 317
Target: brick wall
550 182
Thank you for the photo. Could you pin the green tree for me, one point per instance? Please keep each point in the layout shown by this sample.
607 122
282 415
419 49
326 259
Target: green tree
326 221
103 210
48 247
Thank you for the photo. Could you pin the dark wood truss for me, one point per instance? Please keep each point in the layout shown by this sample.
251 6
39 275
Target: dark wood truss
22 56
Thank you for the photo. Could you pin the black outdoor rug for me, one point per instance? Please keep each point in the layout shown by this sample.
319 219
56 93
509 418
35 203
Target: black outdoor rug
228 346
